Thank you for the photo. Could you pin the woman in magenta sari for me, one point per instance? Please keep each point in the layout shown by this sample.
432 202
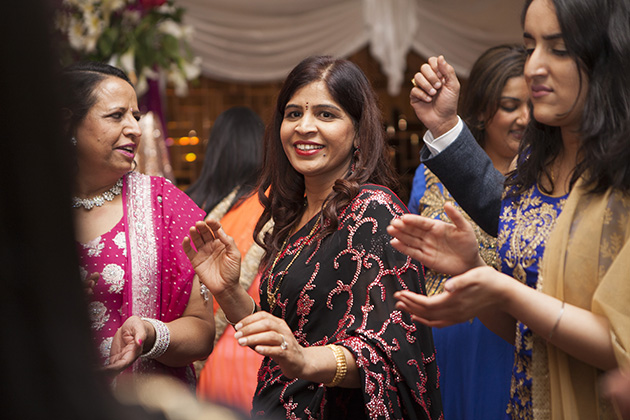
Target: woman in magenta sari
147 312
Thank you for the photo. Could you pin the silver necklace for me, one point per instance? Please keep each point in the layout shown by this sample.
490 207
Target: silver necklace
99 200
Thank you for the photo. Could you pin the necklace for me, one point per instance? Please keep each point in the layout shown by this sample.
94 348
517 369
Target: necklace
99 200
272 293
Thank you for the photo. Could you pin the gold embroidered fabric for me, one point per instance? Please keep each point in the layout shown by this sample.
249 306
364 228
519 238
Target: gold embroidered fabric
525 226
432 206
586 264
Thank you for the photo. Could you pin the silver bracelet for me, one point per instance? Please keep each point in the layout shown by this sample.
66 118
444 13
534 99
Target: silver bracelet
162 339
555 326
253 312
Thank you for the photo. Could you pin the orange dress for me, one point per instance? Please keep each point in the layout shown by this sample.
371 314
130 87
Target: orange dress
229 376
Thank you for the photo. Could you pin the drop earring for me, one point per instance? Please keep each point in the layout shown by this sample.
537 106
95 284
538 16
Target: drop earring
73 141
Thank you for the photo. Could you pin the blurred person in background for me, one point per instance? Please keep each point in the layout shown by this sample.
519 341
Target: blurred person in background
226 190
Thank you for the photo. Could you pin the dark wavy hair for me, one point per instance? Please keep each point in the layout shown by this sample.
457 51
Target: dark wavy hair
486 82
597 36
78 82
233 159
350 88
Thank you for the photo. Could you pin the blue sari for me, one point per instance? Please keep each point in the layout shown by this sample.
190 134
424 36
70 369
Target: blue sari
475 364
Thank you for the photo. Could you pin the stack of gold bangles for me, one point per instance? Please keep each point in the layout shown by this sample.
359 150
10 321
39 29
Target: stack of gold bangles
342 365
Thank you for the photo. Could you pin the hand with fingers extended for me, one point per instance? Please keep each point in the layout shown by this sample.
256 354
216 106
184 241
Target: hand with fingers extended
444 247
127 344
216 260
271 336
464 297
435 94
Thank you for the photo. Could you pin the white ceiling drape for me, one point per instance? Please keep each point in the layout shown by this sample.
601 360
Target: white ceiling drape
262 40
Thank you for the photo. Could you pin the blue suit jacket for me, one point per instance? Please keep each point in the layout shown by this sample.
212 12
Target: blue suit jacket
468 174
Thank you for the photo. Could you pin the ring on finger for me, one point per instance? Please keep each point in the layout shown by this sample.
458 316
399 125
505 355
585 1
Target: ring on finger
284 345
413 82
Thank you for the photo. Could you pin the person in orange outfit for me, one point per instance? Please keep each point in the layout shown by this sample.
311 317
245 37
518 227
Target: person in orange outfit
225 190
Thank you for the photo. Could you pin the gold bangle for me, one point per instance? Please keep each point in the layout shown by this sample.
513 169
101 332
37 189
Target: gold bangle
253 312
342 365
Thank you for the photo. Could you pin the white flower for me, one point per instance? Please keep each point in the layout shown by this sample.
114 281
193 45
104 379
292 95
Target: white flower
131 18
150 73
175 76
170 27
141 85
192 70
127 62
188 32
93 23
167 9
75 34
110 6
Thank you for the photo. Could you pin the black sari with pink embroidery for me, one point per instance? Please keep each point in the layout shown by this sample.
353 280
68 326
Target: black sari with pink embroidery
340 290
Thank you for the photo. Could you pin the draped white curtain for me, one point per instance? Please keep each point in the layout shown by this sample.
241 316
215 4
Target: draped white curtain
262 40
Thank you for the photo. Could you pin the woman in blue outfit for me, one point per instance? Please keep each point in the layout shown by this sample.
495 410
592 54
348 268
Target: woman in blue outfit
475 364
568 197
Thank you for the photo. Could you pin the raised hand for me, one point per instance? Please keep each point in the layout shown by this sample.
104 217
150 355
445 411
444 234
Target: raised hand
435 95
216 260
444 247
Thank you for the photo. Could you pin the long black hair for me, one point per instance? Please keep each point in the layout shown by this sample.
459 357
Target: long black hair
350 88
233 158
597 36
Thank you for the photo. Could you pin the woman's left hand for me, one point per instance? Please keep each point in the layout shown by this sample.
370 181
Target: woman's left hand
271 336
127 344
464 297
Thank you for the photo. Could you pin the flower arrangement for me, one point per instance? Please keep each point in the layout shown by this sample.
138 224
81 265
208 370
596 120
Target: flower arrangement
142 37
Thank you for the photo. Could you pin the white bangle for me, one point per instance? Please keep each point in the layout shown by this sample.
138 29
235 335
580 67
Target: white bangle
253 312
162 339
555 326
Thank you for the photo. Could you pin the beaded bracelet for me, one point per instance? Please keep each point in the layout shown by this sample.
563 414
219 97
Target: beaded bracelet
342 365
162 339
253 312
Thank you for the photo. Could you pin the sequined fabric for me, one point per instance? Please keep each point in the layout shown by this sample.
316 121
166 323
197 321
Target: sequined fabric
144 270
340 290
525 224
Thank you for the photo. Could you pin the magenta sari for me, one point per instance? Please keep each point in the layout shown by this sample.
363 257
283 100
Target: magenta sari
157 274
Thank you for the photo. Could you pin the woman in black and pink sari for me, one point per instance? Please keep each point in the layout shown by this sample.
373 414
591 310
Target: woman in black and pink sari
334 344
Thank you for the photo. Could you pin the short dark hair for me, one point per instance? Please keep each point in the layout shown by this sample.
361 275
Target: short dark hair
486 82
78 82
597 35
233 158
351 89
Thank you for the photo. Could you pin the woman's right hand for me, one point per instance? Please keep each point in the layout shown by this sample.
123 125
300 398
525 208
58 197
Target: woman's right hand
217 260
435 96
449 248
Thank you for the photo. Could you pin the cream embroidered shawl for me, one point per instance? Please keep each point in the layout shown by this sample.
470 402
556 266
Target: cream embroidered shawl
587 264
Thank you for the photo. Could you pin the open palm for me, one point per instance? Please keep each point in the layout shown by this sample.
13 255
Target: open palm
215 257
449 248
